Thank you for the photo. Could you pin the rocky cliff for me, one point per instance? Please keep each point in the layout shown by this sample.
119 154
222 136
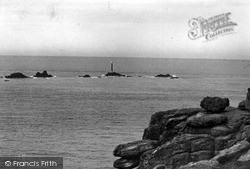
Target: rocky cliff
214 136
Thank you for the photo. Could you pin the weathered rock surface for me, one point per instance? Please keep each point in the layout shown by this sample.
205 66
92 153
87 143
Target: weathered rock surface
44 74
193 138
206 120
179 151
214 104
128 163
16 75
203 164
135 148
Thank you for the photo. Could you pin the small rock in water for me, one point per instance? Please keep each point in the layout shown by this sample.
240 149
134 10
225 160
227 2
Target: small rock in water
214 104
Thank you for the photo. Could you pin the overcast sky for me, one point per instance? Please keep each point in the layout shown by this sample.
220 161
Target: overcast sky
119 28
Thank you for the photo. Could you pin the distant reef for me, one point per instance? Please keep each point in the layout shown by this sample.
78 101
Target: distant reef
85 76
16 75
44 74
114 74
167 75
214 136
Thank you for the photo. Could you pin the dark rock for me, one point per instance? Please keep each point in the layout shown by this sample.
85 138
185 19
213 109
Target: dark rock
114 74
85 76
242 105
124 163
166 124
162 75
16 75
206 120
214 104
44 74
134 149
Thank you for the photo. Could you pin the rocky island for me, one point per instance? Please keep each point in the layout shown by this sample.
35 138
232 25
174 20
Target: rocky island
114 74
44 74
16 75
213 136
167 75
85 76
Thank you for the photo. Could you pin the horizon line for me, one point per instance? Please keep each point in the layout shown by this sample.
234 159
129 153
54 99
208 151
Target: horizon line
135 57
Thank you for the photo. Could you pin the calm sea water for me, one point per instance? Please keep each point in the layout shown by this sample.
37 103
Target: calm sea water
83 119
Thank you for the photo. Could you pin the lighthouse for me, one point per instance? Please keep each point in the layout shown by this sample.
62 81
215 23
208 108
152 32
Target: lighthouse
111 66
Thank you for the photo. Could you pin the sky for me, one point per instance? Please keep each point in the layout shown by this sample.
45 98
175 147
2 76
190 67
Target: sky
120 28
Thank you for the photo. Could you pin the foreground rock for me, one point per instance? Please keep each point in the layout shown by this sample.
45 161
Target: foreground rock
127 163
135 148
214 104
44 74
114 74
193 138
16 75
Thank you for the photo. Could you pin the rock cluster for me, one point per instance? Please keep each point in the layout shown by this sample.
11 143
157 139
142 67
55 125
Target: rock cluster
44 74
191 138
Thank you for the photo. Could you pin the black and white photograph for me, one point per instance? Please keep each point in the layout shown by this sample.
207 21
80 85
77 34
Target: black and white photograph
124 84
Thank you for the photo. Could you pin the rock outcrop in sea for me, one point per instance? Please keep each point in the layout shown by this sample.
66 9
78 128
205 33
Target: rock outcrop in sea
44 74
114 74
215 136
16 75
85 76
167 75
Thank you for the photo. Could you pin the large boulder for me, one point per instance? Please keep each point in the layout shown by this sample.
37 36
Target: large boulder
214 104
134 149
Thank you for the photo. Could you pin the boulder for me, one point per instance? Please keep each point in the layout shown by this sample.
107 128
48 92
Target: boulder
134 149
16 75
128 163
214 104
44 74
206 120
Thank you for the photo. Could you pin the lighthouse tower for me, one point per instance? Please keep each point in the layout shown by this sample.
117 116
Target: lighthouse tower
111 66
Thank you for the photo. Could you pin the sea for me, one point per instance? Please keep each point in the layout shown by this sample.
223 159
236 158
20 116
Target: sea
84 119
